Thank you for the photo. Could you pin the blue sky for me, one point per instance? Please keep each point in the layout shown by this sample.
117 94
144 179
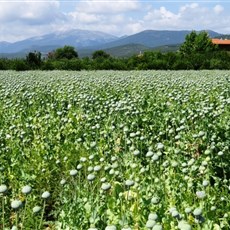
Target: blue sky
20 19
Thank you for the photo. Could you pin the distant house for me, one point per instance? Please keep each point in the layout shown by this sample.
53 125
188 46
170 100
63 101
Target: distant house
140 54
222 43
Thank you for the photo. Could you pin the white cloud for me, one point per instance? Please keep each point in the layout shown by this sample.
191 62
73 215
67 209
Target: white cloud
197 16
29 11
161 18
160 14
82 18
189 6
191 12
107 7
22 19
107 16
218 9
133 27
15 31
188 17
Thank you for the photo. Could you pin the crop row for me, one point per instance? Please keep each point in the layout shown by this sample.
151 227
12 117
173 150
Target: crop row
115 150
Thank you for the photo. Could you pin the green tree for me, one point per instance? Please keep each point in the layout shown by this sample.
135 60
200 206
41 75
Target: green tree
100 54
197 43
102 60
67 52
19 65
33 59
4 64
86 63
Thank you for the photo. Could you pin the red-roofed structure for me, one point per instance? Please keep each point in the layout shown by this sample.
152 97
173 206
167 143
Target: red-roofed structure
222 43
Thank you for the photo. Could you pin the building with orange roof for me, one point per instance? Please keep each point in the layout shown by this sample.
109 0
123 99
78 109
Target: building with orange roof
222 43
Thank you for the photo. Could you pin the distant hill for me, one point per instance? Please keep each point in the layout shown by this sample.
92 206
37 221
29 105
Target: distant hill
126 50
167 48
86 42
223 36
13 55
135 49
154 38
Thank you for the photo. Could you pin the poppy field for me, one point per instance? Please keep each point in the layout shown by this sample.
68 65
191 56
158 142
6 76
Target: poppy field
115 150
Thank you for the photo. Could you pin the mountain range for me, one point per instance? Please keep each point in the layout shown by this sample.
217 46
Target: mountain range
86 42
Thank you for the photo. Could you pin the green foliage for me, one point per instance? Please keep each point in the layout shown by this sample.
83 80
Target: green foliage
73 64
33 59
86 63
67 52
197 43
200 55
48 65
4 64
19 65
96 149
100 54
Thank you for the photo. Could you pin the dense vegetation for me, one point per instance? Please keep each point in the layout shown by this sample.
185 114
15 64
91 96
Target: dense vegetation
196 53
140 150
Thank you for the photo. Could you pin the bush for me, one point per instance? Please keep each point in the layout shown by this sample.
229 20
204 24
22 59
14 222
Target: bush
180 64
19 65
48 65
74 64
4 65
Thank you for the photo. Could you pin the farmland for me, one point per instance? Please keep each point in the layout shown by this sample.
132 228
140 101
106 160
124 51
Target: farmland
115 150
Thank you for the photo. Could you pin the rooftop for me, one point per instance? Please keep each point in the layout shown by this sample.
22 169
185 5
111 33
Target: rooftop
221 41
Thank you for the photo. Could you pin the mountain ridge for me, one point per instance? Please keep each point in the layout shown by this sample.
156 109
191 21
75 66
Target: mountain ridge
96 40
154 38
76 38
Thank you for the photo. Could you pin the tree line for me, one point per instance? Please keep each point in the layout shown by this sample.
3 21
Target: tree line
196 53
